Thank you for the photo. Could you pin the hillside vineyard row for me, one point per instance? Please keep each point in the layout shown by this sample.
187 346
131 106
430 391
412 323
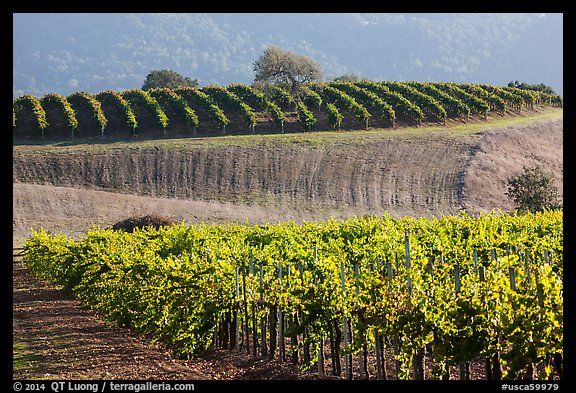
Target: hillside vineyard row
416 296
214 110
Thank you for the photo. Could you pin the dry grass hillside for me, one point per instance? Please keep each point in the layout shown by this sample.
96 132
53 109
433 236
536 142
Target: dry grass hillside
503 152
313 176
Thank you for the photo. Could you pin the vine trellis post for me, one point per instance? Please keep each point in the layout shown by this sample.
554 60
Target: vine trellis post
345 333
282 347
248 314
263 349
321 341
236 307
254 328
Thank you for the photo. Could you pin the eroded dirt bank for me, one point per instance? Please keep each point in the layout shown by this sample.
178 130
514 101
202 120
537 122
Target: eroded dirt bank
382 174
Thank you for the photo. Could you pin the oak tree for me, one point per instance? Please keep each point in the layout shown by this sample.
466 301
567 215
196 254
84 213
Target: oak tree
167 78
278 66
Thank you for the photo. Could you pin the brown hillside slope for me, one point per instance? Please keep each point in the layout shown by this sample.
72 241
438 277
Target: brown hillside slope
502 153
418 174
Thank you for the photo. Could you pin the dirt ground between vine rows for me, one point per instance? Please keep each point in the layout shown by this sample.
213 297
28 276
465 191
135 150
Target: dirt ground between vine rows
56 337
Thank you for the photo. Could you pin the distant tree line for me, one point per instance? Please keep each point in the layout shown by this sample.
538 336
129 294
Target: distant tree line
284 68
274 65
536 87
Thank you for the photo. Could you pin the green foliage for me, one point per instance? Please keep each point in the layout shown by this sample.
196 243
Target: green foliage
527 86
368 99
424 101
122 106
529 96
277 95
360 99
551 99
59 102
533 190
396 100
310 97
513 100
87 100
306 116
346 78
334 116
476 105
232 101
452 105
142 98
277 65
175 283
536 93
257 101
167 79
178 103
31 103
496 103
206 103
344 102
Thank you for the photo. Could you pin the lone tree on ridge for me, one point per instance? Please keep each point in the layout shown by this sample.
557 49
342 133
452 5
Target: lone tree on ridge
278 66
167 78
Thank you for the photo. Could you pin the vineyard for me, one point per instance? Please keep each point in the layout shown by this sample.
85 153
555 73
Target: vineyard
338 298
239 108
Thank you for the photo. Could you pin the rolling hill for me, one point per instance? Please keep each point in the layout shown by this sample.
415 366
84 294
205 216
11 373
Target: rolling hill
424 171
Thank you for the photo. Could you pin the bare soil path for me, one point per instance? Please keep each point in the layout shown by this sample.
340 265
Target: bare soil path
56 337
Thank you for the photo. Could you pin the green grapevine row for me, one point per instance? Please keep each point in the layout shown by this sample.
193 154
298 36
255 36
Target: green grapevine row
85 100
487 287
61 104
231 100
399 103
310 97
344 102
277 95
116 100
426 103
206 103
453 106
390 101
30 103
551 99
496 103
168 96
334 116
513 100
475 104
530 97
144 99
368 99
306 116
257 101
